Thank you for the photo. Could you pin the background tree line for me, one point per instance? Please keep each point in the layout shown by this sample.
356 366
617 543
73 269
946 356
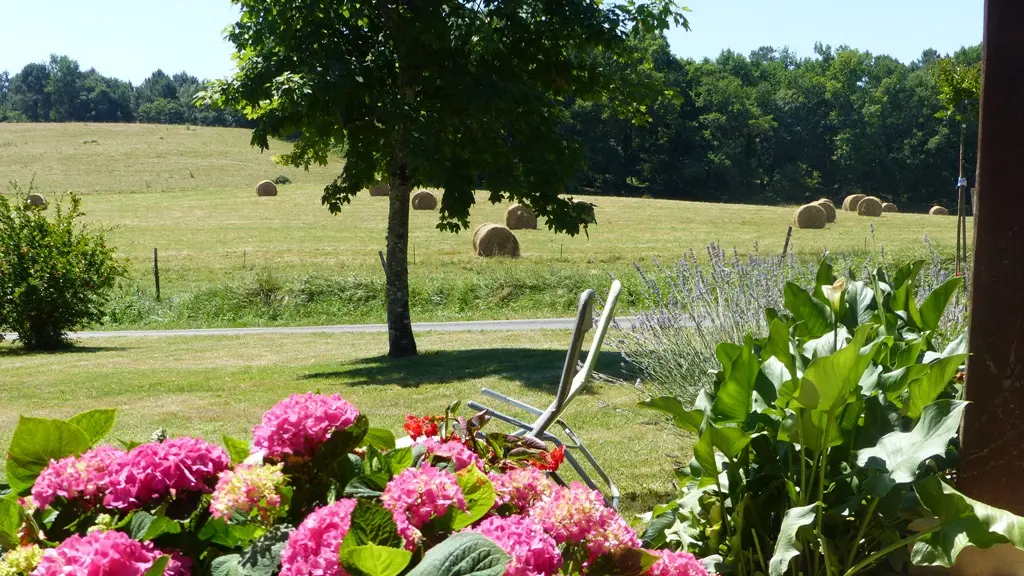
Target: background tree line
60 91
765 128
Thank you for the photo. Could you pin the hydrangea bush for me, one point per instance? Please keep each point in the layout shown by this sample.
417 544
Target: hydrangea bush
318 492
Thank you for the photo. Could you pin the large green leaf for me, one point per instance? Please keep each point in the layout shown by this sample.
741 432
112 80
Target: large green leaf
924 390
788 544
145 526
689 420
935 304
825 344
227 565
11 517
628 562
806 427
733 402
95 423
906 273
371 523
704 457
380 438
825 276
36 442
466 554
479 495
814 316
829 382
962 522
860 304
375 560
263 556
901 453
237 449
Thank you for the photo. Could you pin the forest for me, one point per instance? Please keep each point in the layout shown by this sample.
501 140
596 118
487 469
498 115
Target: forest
765 128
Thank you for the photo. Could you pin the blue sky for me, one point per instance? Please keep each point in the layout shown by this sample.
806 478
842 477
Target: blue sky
129 39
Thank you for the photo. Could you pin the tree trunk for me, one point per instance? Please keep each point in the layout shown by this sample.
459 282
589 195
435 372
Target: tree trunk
401 342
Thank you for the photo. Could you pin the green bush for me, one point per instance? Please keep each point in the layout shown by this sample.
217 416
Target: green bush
56 274
825 447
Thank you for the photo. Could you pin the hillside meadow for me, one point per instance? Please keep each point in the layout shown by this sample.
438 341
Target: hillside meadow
190 193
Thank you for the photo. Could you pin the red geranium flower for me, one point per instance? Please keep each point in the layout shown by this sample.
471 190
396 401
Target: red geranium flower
550 461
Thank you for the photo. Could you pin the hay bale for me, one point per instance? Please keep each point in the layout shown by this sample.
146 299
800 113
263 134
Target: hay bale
587 210
495 240
833 204
829 208
424 200
520 217
266 188
851 202
380 189
37 200
889 207
810 216
938 211
869 206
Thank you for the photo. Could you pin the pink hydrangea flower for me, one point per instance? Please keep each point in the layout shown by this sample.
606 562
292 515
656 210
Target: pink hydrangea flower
453 450
417 495
299 424
247 487
155 470
533 552
312 549
521 487
675 564
576 514
85 478
104 554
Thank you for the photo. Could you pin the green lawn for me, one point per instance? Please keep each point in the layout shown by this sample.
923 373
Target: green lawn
213 385
190 193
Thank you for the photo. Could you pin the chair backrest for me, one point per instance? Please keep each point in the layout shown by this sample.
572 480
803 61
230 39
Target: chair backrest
572 381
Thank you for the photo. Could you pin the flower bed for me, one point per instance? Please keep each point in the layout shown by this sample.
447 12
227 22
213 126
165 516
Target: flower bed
319 492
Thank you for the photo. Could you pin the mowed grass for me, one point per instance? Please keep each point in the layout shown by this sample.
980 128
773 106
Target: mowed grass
209 386
190 192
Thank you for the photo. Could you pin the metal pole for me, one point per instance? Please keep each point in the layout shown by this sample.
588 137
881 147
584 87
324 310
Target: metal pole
156 274
992 441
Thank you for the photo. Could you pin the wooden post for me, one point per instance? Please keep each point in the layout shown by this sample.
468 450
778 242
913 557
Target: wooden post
992 451
156 274
785 246
383 263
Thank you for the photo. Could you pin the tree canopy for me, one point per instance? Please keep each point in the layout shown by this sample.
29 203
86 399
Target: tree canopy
452 94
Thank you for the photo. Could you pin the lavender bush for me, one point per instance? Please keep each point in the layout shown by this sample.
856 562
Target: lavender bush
688 308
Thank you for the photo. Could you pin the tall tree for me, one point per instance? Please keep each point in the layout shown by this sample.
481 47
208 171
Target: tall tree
64 87
28 92
439 92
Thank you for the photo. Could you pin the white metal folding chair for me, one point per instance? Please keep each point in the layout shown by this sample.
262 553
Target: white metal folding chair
573 380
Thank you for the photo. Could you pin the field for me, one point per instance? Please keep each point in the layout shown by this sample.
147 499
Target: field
228 258
190 193
213 385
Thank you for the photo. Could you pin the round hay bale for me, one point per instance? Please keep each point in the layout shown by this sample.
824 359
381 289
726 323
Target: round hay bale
37 200
520 217
587 208
826 200
380 189
266 188
938 211
495 240
869 206
829 208
851 202
810 216
889 207
424 200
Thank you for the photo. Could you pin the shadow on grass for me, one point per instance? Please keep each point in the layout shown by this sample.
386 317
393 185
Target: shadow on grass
8 349
533 367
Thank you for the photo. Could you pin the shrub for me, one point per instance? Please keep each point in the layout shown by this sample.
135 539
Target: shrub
317 492
281 180
56 274
828 439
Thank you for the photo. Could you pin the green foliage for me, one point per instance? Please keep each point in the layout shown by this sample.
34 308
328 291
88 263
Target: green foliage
36 441
959 86
821 443
56 274
463 555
